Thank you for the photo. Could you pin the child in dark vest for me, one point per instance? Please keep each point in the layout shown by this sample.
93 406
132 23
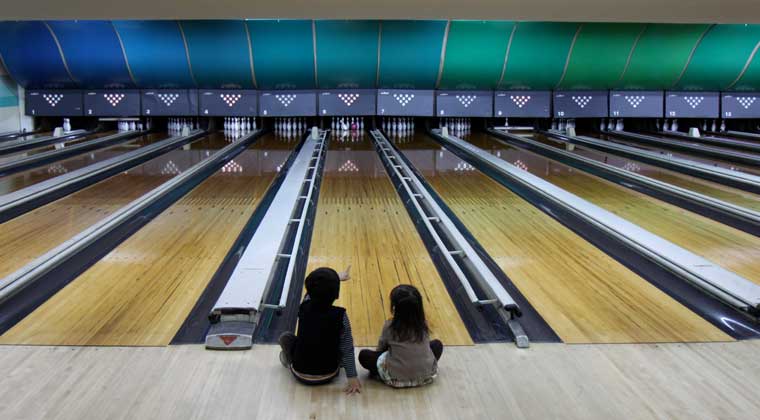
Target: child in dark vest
323 343
405 355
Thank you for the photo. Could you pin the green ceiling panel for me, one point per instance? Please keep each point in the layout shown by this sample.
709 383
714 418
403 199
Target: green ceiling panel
538 54
347 53
475 53
283 53
410 53
215 67
720 57
661 55
750 80
599 55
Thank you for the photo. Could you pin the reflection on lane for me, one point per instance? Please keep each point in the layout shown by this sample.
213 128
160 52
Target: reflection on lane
731 248
157 275
584 294
61 219
50 147
681 155
712 189
32 176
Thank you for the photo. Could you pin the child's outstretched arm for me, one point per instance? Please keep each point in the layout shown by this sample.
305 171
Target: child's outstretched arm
348 360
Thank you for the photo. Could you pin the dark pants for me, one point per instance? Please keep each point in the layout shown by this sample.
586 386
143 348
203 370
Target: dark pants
288 344
368 358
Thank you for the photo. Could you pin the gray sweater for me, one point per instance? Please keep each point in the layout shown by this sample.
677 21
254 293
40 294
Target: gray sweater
406 360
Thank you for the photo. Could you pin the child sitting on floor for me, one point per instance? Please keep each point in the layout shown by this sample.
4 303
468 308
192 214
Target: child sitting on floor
405 356
323 343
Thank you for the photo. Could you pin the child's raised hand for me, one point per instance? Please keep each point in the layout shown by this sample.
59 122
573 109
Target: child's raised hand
345 275
353 387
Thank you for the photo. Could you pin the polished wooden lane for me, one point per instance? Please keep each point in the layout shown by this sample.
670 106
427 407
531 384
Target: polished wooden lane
584 295
141 292
55 222
684 155
32 176
708 188
729 247
362 222
47 148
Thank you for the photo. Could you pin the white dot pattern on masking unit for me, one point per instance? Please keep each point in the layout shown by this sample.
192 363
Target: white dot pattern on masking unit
520 100
403 98
466 100
582 101
348 98
746 101
52 98
230 98
693 101
286 99
168 98
635 101
114 98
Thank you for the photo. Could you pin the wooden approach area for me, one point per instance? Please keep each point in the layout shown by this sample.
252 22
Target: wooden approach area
494 381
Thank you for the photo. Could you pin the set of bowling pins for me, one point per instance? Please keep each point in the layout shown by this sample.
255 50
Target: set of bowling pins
563 124
129 126
611 125
398 125
347 123
668 126
244 124
176 125
289 126
714 126
457 125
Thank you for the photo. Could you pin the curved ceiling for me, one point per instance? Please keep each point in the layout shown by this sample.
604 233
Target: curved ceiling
327 54
662 11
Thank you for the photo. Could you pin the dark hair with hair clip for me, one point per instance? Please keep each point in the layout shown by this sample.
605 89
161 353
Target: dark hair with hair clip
408 322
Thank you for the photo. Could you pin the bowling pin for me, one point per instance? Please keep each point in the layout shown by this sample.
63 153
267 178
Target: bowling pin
722 126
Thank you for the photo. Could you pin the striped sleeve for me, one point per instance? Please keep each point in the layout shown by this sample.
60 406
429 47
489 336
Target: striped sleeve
347 349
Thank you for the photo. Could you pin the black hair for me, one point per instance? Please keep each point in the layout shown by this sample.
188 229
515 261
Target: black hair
323 286
408 322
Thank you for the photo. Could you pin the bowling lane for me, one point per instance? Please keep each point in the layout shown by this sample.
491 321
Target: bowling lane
24 179
59 220
585 295
141 292
682 155
49 147
731 248
709 188
362 222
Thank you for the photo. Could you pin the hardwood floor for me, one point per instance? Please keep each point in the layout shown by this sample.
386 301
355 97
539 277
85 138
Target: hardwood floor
494 381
